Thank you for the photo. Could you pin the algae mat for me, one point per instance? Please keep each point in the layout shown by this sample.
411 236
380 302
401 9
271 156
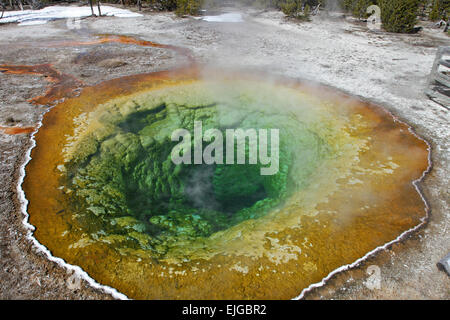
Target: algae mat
104 195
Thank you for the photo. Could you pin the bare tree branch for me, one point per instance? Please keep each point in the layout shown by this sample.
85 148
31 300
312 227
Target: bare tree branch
99 11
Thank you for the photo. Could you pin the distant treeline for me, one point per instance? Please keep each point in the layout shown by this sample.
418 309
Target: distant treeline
396 15
400 15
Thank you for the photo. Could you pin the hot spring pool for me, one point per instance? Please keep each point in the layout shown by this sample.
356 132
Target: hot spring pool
104 194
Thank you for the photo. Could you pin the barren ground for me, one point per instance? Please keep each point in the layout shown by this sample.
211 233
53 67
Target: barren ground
387 69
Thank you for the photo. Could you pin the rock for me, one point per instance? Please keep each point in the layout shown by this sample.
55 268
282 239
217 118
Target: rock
111 63
444 264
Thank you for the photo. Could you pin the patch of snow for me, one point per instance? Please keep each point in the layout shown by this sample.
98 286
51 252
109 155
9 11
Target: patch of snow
226 17
34 17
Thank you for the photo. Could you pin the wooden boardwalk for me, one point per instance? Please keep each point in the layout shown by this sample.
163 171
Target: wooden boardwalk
439 85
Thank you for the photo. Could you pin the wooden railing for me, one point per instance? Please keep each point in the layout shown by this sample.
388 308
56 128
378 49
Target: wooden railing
439 85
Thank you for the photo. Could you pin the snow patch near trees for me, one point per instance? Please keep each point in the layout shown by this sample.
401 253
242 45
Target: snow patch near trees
33 17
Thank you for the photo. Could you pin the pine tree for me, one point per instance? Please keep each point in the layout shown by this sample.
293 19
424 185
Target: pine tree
181 8
307 12
290 8
185 7
399 15
434 14
359 9
298 9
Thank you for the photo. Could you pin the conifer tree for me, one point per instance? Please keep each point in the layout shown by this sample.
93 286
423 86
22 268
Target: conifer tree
399 15
306 12
434 14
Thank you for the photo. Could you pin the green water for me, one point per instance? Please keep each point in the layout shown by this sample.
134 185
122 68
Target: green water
127 184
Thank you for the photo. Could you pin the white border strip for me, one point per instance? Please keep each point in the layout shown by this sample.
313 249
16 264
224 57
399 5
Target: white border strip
41 248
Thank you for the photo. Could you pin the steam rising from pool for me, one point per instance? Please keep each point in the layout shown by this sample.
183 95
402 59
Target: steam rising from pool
104 195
